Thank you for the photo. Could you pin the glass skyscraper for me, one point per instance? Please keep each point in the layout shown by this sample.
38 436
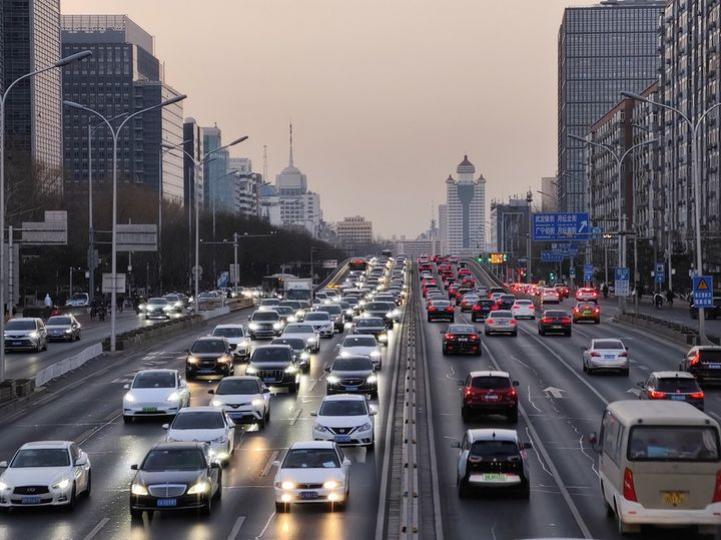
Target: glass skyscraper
602 50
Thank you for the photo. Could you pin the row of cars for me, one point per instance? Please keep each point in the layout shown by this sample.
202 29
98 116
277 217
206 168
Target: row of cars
33 334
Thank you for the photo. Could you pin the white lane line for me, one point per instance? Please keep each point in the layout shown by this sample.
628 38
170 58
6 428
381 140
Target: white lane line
295 416
269 463
236 528
96 529
531 401
267 524
311 386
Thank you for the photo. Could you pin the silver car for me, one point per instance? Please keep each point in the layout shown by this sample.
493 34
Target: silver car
26 334
606 354
501 322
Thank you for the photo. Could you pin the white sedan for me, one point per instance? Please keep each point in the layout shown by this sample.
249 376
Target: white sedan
305 331
362 345
45 473
311 473
204 424
345 419
243 398
550 295
606 354
155 392
321 323
235 335
523 309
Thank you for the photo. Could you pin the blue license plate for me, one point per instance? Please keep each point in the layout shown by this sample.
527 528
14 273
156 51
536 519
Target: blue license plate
342 438
608 357
31 500
308 495
351 387
678 398
714 366
16 343
167 502
268 379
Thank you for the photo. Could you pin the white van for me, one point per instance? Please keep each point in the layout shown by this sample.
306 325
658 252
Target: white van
659 464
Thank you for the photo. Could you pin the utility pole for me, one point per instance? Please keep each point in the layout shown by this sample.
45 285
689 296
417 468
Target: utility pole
236 268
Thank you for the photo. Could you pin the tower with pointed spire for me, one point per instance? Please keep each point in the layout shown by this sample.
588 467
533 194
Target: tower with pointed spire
465 227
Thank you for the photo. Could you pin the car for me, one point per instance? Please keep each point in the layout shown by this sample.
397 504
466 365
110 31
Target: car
468 300
492 460
346 420
301 350
287 314
563 291
523 309
489 392
264 324
362 345
45 473
155 392
371 325
210 425
672 386
555 321
303 331
63 328
703 362
177 304
175 476
208 356
606 355
460 339
550 295
26 334
352 375
244 398
268 304
584 294
311 473
237 338
505 301
713 312
321 323
275 365
440 310
482 309
78 300
501 322
387 311
586 311
158 309
337 315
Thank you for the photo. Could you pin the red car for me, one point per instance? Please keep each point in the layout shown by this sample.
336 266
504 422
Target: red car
489 392
460 339
562 291
440 310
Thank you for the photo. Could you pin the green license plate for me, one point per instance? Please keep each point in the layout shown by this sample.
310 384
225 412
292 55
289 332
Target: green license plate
494 477
149 409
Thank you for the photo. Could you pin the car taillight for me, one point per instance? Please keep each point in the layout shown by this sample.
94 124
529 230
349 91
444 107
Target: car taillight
490 321
431 308
449 309
450 336
516 307
595 354
513 321
474 337
597 310
476 308
629 490
575 310
623 354
695 360
512 393
546 320
696 395
717 488
566 320
655 394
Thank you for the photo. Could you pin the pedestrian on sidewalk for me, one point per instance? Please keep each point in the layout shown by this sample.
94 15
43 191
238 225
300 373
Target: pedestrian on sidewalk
669 297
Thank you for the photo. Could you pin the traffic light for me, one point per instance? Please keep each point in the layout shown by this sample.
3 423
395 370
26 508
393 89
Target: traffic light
552 277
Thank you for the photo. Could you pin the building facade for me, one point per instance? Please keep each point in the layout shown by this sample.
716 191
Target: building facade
443 227
192 177
247 186
602 50
219 181
354 230
549 194
509 228
466 211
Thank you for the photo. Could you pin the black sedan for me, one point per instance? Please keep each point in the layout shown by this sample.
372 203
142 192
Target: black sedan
175 476
372 325
555 321
482 309
63 328
461 339
209 356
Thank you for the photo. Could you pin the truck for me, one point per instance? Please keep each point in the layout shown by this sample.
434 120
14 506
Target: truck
300 289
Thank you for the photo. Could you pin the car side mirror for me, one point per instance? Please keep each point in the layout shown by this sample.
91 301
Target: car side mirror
81 462
133 467
215 465
266 390
126 386
211 391
372 413
346 462
526 446
456 444
166 426
314 414
326 369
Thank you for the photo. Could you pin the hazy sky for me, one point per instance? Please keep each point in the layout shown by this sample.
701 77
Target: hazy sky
385 95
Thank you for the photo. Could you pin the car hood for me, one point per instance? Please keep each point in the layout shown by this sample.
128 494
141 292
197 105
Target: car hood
57 327
151 394
306 337
343 421
358 351
368 329
149 478
318 324
309 476
363 373
237 398
207 355
19 332
271 365
199 435
41 476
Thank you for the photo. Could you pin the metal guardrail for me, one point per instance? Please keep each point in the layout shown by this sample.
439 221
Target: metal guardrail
410 517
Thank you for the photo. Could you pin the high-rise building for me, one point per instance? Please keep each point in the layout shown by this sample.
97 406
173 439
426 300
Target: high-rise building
193 146
602 50
549 194
220 183
466 204
509 228
30 40
123 76
443 227
247 186
354 231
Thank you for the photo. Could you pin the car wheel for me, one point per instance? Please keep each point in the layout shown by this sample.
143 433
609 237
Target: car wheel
465 414
445 351
281 507
429 319
513 415
374 394
462 489
207 508
337 507
597 321
583 366
71 503
514 334
540 332
89 487
127 419
135 514
625 372
568 334
219 493
525 491
292 388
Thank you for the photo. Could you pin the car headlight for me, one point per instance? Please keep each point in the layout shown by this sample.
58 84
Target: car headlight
365 427
243 343
396 312
304 356
199 488
332 379
320 427
216 403
277 326
344 354
141 307
291 369
258 402
62 484
138 489
383 338
193 360
253 326
69 331
33 335
129 397
291 318
224 359
287 485
372 379
331 484
349 312
389 314
167 308
375 354
251 370
4 486
310 340
174 396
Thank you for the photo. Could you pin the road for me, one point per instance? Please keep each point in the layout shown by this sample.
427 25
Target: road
559 405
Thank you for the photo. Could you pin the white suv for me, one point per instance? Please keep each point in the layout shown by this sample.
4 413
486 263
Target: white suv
346 420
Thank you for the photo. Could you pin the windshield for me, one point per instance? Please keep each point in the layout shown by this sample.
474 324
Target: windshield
271 354
311 458
59 321
488 383
176 459
79 296
265 316
41 457
608 344
333 310
379 306
229 387
673 443
707 355
20 325
502 315
198 420
556 314
300 329
303 294
352 364
359 341
208 346
269 302
154 379
294 343
676 384
284 310
354 407
458 329
317 316
370 322
235 331
441 303
159 301
494 449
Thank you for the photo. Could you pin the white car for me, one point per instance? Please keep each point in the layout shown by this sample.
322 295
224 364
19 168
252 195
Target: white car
243 399
312 473
321 323
236 337
155 392
585 294
204 424
362 345
606 354
305 331
346 420
523 309
550 296
45 473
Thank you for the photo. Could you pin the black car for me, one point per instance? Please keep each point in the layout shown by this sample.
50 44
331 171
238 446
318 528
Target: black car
209 356
275 366
506 301
264 324
481 309
352 375
382 310
461 339
175 476
301 351
672 386
710 313
372 325
555 321
703 362
63 328
440 310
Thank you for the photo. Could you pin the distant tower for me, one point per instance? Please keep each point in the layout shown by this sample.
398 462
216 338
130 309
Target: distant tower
465 230
265 163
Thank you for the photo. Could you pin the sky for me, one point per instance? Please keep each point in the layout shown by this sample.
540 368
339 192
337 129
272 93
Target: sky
385 96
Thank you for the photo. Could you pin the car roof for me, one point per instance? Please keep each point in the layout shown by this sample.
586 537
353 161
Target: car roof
352 357
179 445
672 375
240 378
157 370
503 312
210 338
489 373
24 319
492 434
303 445
200 408
47 444
229 326
661 412
345 397
271 346
597 340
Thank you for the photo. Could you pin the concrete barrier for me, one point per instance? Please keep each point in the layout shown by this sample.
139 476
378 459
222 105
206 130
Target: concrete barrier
213 313
674 332
62 367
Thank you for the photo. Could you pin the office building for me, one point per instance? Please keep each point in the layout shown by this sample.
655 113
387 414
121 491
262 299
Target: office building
509 228
270 205
123 76
219 184
549 194
466 211
192 177
443 227
602 50
353 231
246 186
30 40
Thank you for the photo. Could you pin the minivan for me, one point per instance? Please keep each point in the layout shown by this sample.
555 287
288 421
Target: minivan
659 464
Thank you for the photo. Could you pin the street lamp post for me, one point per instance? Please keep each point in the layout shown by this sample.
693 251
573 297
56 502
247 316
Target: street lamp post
115 134
694 127
3 99
619 158
529 200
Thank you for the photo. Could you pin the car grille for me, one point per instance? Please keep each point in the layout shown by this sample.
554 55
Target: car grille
352 382
309 486
236 405
30 490
167 490
342 430
275 374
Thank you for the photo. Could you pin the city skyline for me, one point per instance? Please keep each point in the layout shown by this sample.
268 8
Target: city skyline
296 75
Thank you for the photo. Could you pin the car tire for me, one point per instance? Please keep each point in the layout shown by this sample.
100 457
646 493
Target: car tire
338 506
625 372
70 506
463 491
189 375
293 388
465 414
445 351
218 495
568 334
513 415
597 321
583 367
135 514
127 419
514 334
207 508
89 487
525 491
281 507
540 332
374 394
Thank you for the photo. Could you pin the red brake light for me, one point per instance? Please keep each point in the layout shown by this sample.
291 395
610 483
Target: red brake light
490 321
474 337
623 354
449 309
696 395
512 392
575 310
629 490
597 310
695 360
655 394
476 308
514 321
431 308
566 320
717 488
546 320
594 354
450 336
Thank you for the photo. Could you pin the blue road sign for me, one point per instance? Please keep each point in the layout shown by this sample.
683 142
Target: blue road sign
587 272
565 249
597 231
703 291
561 226
622 283
572 273
551 257
660 273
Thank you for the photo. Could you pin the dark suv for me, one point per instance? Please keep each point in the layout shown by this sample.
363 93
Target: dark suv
489 392
275 366
703 362
209 356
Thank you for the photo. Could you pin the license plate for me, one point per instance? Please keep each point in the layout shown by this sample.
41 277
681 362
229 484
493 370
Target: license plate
491 397
678 398
167 502
342 438
674 498
308 495
462 340
268 379
714 366
608 356
351 387
493 477
557 327
31 500
16 343
149 409
587 313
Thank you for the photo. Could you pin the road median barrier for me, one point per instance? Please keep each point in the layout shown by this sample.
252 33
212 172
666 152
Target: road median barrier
672 331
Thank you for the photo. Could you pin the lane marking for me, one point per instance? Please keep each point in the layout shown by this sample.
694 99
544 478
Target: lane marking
236 528
267 524
295 416
269 463
95 530
311 386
